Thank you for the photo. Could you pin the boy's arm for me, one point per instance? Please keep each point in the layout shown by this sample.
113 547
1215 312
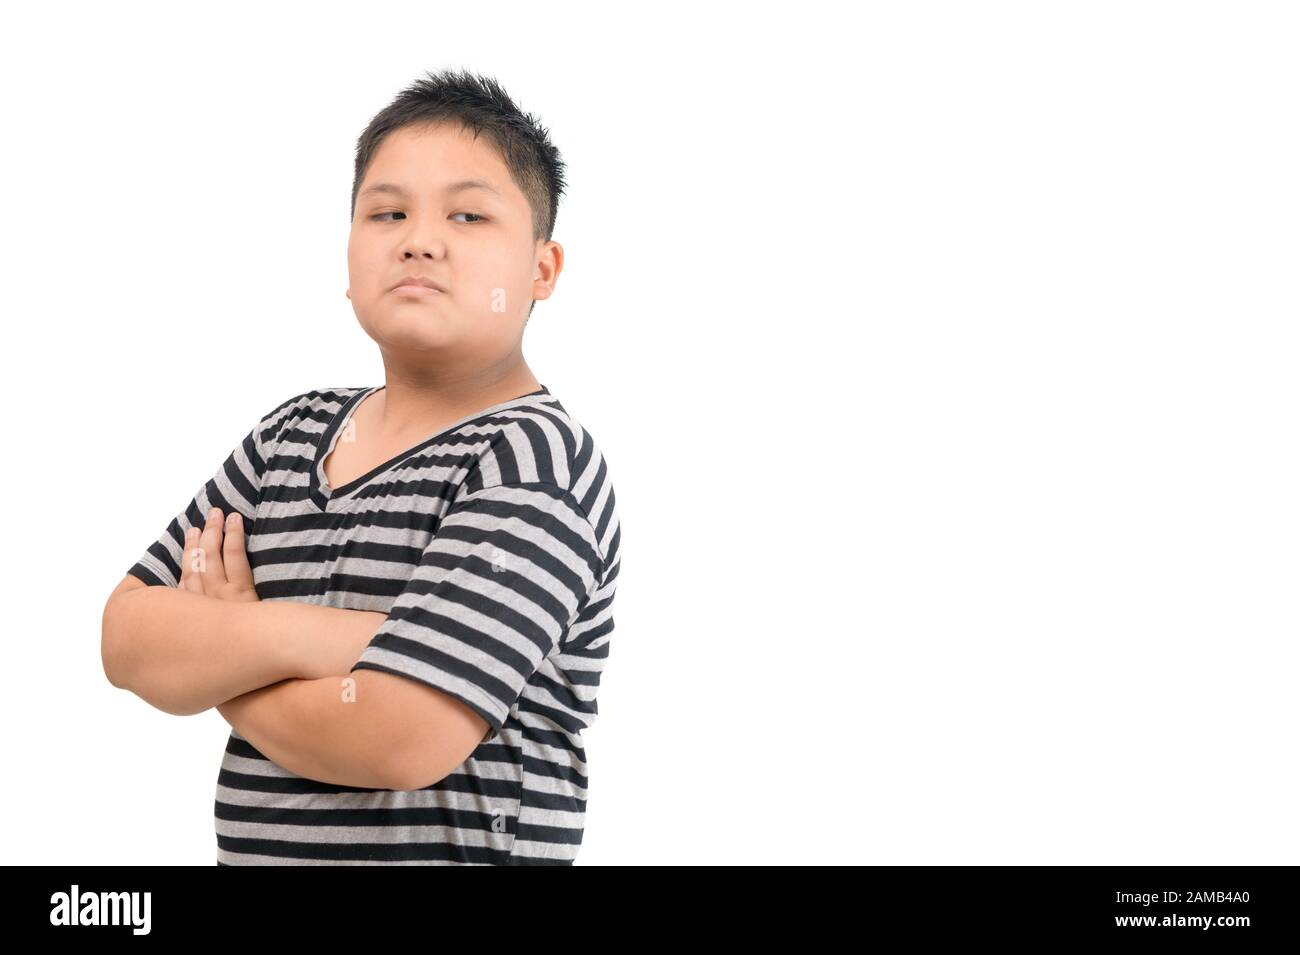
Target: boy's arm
489 600
184 652
354 730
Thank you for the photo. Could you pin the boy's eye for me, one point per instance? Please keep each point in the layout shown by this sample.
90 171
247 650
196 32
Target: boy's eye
380 215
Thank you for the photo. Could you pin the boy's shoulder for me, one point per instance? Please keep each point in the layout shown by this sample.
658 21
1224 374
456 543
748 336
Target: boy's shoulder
538 444
318 404
315 399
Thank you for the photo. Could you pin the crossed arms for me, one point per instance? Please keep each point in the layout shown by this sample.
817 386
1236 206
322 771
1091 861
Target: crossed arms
279 672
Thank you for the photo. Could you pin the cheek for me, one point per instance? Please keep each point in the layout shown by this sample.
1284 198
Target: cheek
492 286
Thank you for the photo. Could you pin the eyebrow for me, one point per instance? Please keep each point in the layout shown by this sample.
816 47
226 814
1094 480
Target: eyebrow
395 189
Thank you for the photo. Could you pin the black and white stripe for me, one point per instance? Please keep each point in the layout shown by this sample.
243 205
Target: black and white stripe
493 546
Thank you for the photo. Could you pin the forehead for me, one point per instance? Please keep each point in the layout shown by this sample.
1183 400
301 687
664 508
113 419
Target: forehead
419 161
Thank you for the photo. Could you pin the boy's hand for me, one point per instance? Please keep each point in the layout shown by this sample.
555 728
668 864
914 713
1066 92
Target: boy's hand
214 562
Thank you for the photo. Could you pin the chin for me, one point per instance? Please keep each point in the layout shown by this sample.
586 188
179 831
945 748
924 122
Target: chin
418 330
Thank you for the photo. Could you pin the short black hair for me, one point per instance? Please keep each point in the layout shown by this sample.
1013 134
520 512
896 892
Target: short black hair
480 105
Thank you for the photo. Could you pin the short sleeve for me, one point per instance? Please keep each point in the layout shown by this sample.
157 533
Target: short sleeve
508 570
236 486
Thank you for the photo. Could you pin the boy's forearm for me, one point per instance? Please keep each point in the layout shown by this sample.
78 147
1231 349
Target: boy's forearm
332 730
184 652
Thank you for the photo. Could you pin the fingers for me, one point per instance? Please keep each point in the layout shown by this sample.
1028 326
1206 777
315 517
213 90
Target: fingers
214 571
192 563
234 554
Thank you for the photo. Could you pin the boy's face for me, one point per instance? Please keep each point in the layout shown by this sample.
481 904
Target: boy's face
476 243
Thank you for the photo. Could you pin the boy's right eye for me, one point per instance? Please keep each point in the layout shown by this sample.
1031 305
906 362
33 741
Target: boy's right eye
377 215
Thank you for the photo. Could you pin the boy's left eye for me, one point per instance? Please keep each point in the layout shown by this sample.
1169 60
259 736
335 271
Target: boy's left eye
477 217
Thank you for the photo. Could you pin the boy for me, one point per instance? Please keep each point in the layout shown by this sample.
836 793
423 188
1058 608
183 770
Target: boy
400 596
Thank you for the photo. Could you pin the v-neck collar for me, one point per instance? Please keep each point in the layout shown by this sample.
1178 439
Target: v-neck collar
318 488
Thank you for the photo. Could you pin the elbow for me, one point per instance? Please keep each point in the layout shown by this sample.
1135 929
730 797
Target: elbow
109 642
178 708
116 655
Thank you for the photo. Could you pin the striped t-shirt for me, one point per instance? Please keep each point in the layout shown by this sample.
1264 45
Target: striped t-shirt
493 547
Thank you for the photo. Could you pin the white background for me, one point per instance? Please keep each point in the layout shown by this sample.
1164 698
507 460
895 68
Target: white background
943 355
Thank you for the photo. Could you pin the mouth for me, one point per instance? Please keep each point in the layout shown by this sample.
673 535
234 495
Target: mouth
416 291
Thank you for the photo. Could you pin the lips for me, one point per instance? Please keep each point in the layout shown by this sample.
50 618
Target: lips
417 284
416 291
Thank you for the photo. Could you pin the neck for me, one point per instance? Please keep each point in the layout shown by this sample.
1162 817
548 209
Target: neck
415 399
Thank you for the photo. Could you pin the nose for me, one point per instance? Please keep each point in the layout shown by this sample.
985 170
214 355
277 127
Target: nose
423 240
